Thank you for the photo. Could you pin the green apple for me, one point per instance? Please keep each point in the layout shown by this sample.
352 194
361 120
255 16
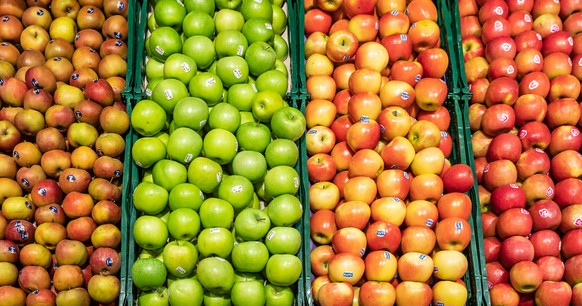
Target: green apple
150 87
164 215
148 274
147 176
232 70
205 6
154 69
187 291
281 49
191 112
240 276
205 173
157 297
224 116
216 300
148 118
227 4
180 67
285 210
279 19
150 198
216 275
230 43
163 42
168 92
169 13
198 23
163 136
184 145
278 295
180 257
236 190
185 195
248 293
220 145
215 212
150 253
283 269
206 86
250 164
252 224
283 240
152 24
258 29
250 256
281 152
274 80
227 19
146 151
253 136
169 173
281 180
246 117
261 192
265 103
215 241
201 49
288 123
184 224
241 96
256 9
260 57
150 232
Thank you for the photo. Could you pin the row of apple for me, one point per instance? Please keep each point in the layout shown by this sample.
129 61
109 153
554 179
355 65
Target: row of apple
63 121
214 212
522 63
391 220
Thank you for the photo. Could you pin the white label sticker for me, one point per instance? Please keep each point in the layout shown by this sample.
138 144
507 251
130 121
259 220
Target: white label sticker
237 73
186 67
168 93
240 50
210 81
236 189
160 50
268 26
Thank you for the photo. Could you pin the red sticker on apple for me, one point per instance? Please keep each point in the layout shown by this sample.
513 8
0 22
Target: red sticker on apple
578 222
550 192
522 134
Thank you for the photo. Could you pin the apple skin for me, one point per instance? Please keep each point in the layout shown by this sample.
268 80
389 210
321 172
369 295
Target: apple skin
553 293
573 272
503 294
568 192
525 276
545 214
515 249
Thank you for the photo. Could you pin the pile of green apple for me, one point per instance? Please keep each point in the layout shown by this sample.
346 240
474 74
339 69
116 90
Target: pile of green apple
217 155
62 146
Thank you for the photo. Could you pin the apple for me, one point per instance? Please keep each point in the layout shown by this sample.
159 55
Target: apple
525 276
515 249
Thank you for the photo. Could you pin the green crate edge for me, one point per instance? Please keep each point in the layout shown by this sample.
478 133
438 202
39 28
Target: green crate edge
295 62
130 215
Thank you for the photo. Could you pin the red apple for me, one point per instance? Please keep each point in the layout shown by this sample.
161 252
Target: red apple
515 249
545 214
552 268
525 276
568 191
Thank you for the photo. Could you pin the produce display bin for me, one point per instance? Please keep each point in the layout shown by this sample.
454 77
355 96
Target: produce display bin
457 104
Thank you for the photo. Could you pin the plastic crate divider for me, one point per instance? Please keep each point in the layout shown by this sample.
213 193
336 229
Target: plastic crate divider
453 9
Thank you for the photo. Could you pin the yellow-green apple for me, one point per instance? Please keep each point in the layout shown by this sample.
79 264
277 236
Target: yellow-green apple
323 195
424 35
393 183
566 164
424 134
428 160
565 137
562 112
449 293
352 214
320 258
388 209
346 267
515 249
321 87
427 187
570 217
341 46
34 37
323 226
364 26
573 273
529 107
400 46
383 235
421 213
363 134
335 293
341 155
453 233
380 266
319 139
372 55
525 276
409 291
546 24
395 22
365 162
514 222
568 192
415 266
349 240
398 153
502 90
318 64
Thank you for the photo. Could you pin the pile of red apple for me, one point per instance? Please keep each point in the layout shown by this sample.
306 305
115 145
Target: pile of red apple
390 213
523 65
62 121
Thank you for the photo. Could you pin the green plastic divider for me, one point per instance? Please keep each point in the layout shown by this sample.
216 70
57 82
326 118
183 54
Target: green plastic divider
451 8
